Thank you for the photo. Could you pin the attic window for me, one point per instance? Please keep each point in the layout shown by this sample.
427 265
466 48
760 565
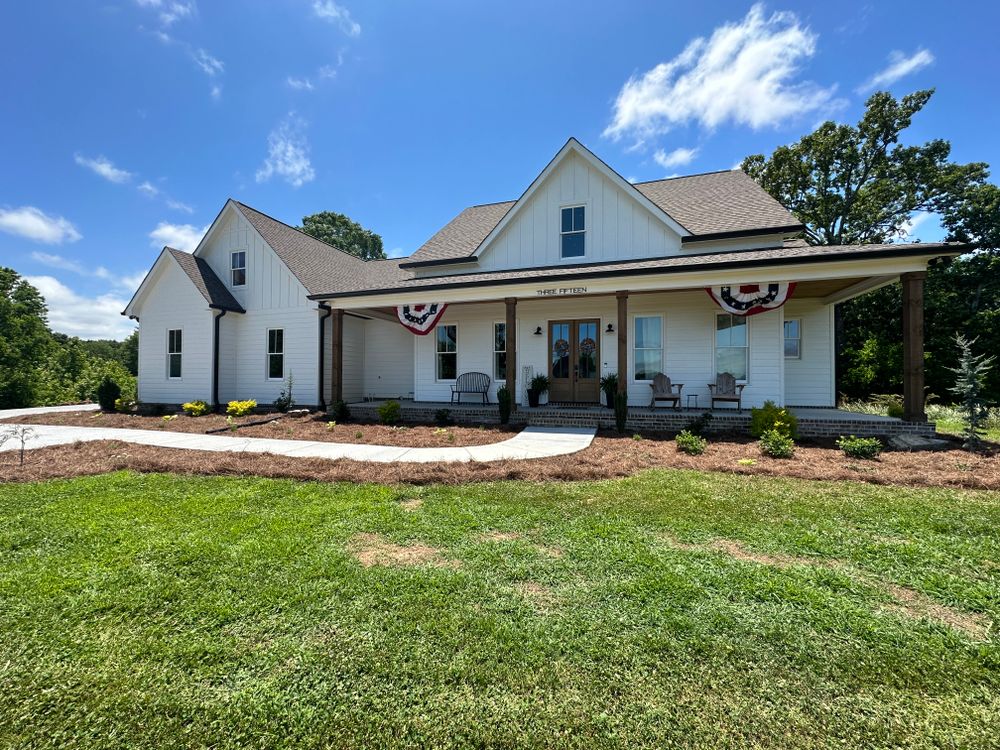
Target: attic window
239 267
572 232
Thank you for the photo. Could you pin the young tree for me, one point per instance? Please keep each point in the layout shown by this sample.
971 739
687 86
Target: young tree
971 373
24 339
343 233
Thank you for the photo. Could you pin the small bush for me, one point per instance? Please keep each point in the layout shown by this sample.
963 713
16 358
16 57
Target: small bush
241 408
339 411
700 424
284 401
442 417
688 442
540 383
621 411
859 447
107 393
776 444
390 412
195 408
504 404
124 405
772 417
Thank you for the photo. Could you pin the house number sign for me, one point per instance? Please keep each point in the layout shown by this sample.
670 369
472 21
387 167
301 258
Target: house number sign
555 292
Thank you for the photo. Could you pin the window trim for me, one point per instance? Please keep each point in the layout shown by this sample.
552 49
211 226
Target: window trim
797 339
586 210
268 354
662 346
436 353
495 350
715 347
179 354
233 269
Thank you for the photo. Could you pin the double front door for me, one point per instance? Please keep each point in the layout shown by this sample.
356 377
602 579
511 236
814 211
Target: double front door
574 357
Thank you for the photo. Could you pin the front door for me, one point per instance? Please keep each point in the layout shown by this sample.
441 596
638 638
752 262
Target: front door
574 351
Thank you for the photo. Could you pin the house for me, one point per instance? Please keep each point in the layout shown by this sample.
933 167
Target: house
585 274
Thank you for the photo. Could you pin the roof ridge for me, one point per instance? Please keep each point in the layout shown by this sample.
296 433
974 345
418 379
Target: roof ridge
686 176
491 203
296 229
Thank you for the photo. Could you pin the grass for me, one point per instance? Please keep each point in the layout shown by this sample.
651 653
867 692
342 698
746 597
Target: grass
147 611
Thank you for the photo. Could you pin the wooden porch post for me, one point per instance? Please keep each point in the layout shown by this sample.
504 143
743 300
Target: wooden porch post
511 329
337 357
913 346
622 341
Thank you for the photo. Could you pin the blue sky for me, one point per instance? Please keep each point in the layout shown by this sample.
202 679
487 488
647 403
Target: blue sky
127 123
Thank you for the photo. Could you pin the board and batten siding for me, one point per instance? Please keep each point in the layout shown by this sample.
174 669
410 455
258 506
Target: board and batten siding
809 380
173 302
618 227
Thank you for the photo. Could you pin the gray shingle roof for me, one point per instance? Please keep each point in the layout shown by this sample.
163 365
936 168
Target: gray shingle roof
704 204
205 281
784 254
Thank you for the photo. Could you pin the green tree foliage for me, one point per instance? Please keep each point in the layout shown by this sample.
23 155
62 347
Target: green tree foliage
341 232
125 352
859 184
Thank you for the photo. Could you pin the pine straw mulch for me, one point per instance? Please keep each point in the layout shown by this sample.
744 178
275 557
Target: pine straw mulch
312 427
609 456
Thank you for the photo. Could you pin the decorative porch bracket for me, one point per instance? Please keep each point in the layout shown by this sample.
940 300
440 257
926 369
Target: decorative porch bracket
622 341
913 346
511 331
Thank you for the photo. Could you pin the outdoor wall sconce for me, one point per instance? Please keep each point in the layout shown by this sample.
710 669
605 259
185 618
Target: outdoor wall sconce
538 331
610 328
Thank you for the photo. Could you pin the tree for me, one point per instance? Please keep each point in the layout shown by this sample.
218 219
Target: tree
24 339
970 375
343 233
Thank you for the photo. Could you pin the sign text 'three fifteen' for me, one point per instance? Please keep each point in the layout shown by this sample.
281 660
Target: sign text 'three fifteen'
554 292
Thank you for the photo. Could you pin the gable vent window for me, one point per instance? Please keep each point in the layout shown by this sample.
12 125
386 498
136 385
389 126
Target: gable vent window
572 231
239 267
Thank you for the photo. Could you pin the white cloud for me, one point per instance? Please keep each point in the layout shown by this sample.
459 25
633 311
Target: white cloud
899 65
87 317
178 206
216 92
676 158
907 232
300 84
169 11
288 154
212 66
179 236
396 252
338 14
148 188
327 71
103 167
35 224
744 73
63 263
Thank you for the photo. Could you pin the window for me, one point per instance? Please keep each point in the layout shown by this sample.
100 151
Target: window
447 352
275 353
499 351
572 232
731 346
174 347
793 338
238 263
648 347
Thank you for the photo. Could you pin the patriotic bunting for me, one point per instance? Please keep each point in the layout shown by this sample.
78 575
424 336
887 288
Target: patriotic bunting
751 299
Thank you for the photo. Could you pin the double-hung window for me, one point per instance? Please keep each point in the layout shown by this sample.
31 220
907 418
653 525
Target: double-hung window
732 351
447 351
275 353
793 338
500 351
572 232
647 357
238 266
174 353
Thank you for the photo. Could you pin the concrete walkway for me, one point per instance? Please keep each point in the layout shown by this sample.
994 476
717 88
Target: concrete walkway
532 442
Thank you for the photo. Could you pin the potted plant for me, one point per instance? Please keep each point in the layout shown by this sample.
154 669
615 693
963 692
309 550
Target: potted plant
609 384
539 385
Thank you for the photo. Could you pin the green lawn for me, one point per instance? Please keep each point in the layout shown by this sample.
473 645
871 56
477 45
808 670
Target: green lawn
142 611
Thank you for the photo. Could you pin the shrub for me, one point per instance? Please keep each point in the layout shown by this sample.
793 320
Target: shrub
284 401
771 417
442 417
700 424
124 405
504 404
609 386
240 408
621 411
339 411
969 382
195 408
540 383
390 412
690 443
107 393
776 444
859 447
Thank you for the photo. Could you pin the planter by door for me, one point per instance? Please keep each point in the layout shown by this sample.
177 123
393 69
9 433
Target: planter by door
533 396
574 353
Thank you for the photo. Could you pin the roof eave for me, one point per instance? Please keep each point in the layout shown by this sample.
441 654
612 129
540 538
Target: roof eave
463 260
740 233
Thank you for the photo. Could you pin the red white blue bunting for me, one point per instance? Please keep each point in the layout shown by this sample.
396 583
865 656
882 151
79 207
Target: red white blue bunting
420 319
751 299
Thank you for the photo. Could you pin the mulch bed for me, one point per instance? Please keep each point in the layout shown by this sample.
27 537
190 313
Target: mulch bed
609 456
312 427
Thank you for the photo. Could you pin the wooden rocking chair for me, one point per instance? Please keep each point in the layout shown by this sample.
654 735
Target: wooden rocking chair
726 389
663 390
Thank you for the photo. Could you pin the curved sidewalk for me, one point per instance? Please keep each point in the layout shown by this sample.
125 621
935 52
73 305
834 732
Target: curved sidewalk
531 442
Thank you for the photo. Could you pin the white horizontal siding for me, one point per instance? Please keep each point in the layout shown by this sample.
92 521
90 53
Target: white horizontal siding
809 380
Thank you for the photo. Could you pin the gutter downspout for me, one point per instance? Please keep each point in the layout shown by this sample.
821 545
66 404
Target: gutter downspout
322 352
215 361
